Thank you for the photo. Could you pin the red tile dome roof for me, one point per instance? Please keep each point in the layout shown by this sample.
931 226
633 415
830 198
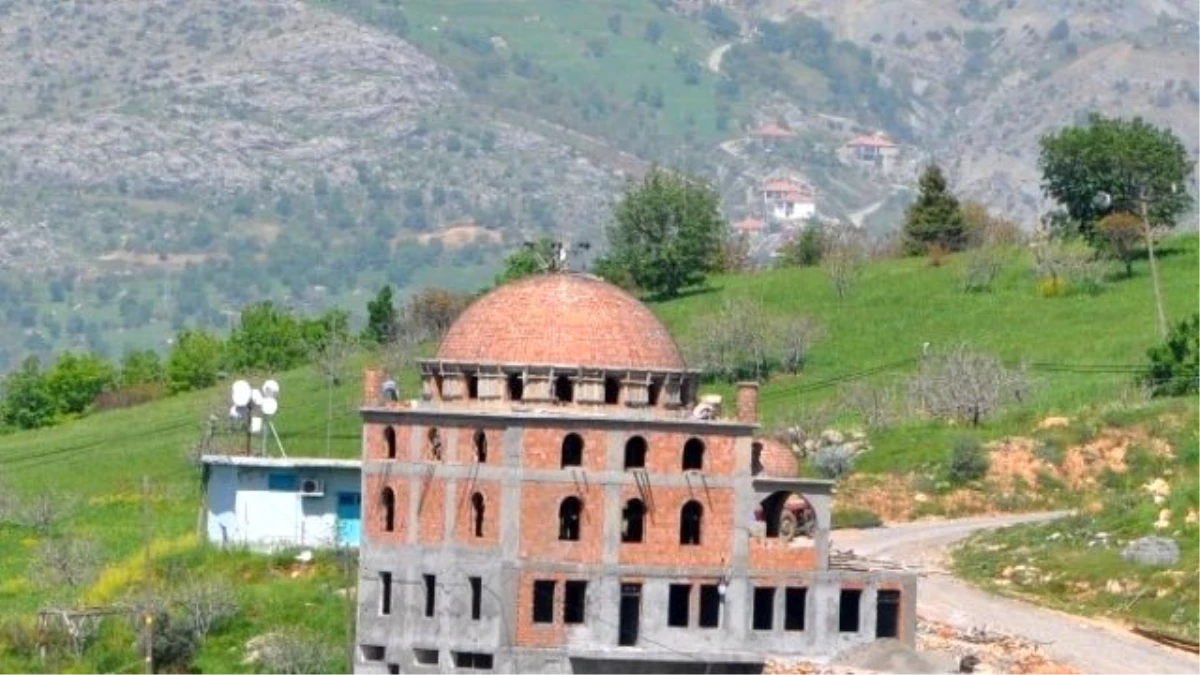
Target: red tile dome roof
561 319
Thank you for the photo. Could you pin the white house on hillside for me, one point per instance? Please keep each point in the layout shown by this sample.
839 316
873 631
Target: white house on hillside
785 200
267 503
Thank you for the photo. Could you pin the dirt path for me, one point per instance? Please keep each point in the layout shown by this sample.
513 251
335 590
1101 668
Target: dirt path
715 56
1091 646
860 215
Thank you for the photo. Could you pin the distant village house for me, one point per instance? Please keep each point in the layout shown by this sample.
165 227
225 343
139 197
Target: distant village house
876 150
788 201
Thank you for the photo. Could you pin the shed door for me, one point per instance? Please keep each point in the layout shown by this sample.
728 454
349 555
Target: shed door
349 515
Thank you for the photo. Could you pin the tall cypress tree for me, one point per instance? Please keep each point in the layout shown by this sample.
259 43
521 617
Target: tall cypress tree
935 218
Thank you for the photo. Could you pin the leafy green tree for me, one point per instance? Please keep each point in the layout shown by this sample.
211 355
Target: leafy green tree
320 333
805 250
381 318
527 261
668 232
1125 159
195 362
27 402
141 367
935 218
266 337
1175 365
76 380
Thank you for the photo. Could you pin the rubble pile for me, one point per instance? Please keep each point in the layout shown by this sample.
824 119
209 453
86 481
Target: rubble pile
973 651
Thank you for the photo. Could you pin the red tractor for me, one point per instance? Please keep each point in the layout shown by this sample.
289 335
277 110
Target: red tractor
787 517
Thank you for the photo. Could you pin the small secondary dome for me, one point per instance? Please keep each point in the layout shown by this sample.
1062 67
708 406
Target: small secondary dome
561 319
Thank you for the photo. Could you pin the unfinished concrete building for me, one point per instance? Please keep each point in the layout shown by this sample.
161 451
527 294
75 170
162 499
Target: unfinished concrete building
558 499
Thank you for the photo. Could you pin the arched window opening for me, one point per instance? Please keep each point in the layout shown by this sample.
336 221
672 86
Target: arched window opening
389 441
564 389
477 513
572 450
472 386
653 392
388 501
633 519
693 455
568 519
690 518
612 390
516 387
635 453
480 441
435 442
437 386
786 516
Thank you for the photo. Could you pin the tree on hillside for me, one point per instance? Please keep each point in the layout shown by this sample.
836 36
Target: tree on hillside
1126 159
1175 365
381 318
195 362
430 313
668 232
267 337
843 259
527 261
1119 234
141 367
27 401
76 380
965 385
805 250
935 218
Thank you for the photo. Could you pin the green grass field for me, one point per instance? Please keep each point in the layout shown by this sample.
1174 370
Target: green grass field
895 308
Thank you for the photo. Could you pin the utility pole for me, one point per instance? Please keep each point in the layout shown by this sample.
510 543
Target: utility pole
1149 234
147 615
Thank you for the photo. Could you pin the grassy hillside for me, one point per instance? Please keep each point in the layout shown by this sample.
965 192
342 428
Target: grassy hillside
895 308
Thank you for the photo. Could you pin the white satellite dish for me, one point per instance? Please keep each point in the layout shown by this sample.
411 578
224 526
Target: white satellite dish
269 406
257 397
241 393
235 412
270 389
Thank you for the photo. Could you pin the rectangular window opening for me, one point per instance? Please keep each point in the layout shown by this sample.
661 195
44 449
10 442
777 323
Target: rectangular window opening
425 657
385 593
393 669
764 608
282 482
677 605
710 606
887 614
543 602
371 652
476 597
575 602
848 610
430 594
795 601
473 660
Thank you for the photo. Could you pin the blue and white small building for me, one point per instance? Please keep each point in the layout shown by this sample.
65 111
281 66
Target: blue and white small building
268 503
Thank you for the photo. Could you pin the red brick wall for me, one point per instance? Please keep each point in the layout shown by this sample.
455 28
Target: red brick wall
530 634
373 511
539 523
775 554
466 444
666 453
542 448
431 514
377 447
660 543
464 523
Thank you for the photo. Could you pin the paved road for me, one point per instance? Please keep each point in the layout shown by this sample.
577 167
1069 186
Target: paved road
1089 646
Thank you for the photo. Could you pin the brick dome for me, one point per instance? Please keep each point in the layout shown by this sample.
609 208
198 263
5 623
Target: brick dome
561 319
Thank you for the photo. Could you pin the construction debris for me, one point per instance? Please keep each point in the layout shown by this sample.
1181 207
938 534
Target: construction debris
940 649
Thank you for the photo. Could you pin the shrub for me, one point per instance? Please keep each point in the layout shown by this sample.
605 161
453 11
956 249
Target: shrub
1052 287
968 461
1175 365
834 462
983 266
854 518
937 255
